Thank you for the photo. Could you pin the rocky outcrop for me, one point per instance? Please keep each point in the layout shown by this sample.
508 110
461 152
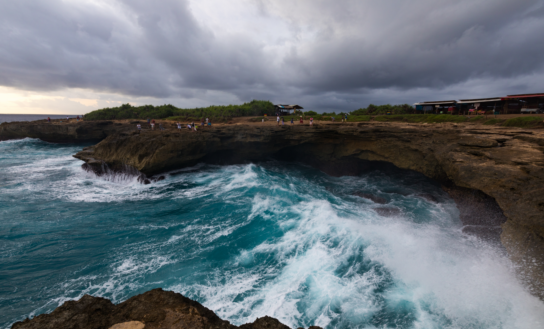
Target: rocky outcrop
155 309
61 131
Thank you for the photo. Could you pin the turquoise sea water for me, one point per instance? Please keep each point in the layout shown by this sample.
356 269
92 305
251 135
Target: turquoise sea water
246 241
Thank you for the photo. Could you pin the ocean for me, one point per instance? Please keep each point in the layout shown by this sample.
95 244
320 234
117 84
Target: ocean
274 238
33 117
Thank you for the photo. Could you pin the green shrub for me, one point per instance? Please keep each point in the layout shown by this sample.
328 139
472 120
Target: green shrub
384 109
444 118
390 118
421 118
492 122
476 118
522 122
217 113
358 118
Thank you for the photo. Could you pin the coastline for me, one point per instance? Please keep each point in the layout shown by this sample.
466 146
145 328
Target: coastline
487 167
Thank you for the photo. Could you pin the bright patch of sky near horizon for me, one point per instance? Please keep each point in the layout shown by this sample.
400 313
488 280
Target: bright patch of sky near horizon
78 56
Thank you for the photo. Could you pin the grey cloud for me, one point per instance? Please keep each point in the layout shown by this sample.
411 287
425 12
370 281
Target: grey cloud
498 41
344 54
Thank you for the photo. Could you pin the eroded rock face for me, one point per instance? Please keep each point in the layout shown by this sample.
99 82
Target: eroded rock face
155 309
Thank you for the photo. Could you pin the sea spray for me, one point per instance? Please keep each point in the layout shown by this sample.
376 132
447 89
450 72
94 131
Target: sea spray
274 239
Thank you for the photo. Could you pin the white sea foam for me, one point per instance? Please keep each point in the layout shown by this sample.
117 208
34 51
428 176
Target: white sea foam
451 281
245 178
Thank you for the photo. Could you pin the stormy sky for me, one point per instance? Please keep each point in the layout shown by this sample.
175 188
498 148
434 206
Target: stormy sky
74 56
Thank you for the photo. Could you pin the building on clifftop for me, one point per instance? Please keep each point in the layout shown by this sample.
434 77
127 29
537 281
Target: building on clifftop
286 109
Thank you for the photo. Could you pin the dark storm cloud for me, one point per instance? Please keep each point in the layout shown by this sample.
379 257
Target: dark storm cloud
338 54
422 46
137 48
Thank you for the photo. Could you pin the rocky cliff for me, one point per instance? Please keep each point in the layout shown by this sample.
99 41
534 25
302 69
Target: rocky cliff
482 167
155 309
62 131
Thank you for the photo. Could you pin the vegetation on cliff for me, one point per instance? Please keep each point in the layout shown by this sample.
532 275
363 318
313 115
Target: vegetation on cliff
420 118
384 109
522 122
437 118
216 112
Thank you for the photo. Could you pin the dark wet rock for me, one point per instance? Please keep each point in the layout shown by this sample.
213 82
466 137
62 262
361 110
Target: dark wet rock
372 197
475 207
156 309
388 211
486 233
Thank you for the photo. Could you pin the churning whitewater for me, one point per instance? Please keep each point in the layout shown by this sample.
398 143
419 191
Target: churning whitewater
275 239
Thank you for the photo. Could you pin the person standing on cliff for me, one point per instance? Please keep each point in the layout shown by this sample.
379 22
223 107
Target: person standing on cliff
278 120
207 122
49 119
301 121
311 121
139 127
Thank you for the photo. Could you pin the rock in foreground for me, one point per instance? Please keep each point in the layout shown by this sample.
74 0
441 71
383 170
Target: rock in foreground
155 309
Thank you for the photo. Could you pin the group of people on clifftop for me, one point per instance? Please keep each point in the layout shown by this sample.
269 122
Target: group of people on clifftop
208 122
191 126
301 120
